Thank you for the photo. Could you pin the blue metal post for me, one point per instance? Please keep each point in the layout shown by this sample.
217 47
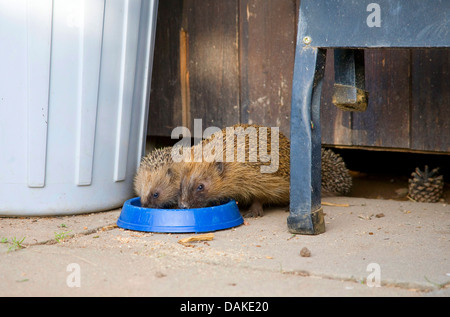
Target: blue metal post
306 215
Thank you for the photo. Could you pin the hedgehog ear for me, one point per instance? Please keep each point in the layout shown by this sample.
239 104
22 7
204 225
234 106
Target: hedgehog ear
219 166
169 172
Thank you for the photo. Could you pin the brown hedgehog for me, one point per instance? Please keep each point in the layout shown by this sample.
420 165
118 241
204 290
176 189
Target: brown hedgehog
260 178
157 181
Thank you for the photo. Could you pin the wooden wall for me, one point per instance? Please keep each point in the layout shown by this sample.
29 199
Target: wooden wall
231 61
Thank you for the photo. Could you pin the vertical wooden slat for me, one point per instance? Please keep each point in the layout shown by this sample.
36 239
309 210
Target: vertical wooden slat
184 80
165 111
386 121
243 60
430 128
39 27
90 40
267 51
213 61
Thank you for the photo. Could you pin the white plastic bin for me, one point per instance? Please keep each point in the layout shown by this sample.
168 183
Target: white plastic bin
74 91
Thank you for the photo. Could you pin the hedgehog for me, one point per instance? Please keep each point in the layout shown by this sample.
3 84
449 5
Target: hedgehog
252 180
157 181
336 179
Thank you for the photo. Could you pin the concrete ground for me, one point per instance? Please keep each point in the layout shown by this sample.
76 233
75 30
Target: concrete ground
370 248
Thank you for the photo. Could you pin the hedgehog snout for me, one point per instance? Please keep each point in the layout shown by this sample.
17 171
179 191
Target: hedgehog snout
183 205
144 203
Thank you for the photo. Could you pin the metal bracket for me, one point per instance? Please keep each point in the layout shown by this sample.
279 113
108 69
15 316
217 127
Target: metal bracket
349 87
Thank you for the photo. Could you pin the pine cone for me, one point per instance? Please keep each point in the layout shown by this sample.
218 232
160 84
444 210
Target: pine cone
335 176
426 186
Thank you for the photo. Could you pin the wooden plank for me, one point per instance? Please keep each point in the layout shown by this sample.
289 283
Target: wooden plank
184 79
430 100
165 97
386 121
267 50
243 61
213 61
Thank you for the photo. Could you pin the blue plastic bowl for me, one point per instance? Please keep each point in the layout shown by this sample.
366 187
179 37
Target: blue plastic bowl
135 217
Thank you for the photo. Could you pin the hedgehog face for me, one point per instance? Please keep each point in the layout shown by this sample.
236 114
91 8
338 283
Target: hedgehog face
157 188
196 185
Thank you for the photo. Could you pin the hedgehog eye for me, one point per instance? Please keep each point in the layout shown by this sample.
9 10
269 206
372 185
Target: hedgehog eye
200 187
155 195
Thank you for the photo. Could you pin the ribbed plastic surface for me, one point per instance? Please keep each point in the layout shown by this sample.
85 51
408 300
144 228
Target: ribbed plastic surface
74 91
